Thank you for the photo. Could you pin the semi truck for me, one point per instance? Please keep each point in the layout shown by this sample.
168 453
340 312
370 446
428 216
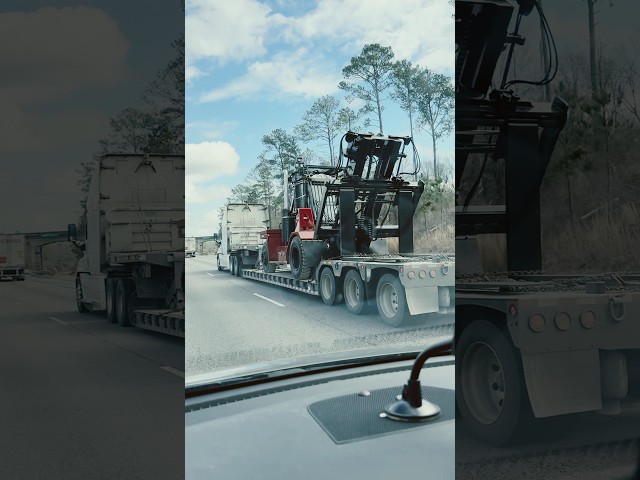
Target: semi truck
132 266
241 239
12 248
529 345
190 247
335 232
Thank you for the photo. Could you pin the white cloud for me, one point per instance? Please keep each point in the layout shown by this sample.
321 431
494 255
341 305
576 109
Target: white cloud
205 194
226 30
285 74
420 30
206 161
192 72
311 72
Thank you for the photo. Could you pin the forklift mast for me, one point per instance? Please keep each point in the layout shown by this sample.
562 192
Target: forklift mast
361 199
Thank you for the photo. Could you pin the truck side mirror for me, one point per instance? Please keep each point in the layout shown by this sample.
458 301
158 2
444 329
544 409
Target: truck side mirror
72 232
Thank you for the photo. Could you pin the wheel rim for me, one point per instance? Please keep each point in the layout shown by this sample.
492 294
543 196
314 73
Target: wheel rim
351 292
325 285
388 300
482 380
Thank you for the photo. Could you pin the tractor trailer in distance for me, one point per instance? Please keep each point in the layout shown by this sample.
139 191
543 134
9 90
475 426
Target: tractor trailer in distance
334 233
12 249
241 235
190 246
134 248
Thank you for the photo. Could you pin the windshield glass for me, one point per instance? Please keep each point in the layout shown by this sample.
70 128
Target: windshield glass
319 182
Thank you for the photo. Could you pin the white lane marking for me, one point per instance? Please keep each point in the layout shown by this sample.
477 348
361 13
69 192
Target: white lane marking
175 371
268 299
61 322
210 274
19 303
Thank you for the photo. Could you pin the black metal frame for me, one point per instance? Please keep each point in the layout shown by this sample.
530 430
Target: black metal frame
348 207
526 136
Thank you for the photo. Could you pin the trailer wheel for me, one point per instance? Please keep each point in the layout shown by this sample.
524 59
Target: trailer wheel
299 267
110 300
123 294
330 287
354 293
266 266
239 266
232 268
391 300
490 390
82 307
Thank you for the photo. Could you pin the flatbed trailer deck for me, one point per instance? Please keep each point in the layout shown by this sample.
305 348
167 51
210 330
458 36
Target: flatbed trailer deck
426 282
169 322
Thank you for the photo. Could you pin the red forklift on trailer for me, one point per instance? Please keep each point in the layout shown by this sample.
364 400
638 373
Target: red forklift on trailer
333 237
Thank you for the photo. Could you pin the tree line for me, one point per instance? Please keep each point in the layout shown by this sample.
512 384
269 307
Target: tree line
371 78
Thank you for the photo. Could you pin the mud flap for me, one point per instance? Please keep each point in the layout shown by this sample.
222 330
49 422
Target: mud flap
422 300
563 382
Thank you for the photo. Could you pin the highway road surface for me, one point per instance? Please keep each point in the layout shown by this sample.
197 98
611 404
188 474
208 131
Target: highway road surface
83 398
235 321
587 446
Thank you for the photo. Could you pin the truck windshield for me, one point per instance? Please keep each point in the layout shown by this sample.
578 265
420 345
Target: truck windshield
328 228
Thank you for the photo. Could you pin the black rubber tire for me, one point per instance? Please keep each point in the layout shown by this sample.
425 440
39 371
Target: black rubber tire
299 268
239 266
110 300
82 307
122 299
266 266
219 266
330 287
490 390
232 261
391 300
354 293
236 266
131 306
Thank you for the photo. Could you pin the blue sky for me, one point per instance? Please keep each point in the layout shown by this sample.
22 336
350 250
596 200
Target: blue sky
254 66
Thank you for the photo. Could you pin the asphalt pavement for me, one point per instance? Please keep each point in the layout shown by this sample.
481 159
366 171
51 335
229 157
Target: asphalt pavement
83 398
589 446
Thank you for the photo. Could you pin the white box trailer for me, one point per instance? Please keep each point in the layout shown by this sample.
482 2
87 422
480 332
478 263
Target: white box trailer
12 249
190 247
242 225
133 263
